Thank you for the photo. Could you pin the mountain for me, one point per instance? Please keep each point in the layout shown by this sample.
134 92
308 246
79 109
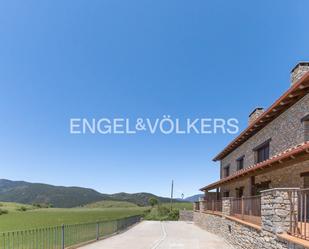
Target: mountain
64 197
193 198
58 196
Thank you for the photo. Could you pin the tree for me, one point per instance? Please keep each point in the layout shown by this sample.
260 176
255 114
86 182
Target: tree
153 201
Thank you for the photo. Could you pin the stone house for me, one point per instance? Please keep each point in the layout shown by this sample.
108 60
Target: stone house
263 174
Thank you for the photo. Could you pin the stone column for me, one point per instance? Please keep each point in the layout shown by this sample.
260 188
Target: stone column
202 206
276 206
196 206
226 206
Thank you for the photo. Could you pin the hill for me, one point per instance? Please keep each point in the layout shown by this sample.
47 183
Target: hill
140 199
64 197
58 196
111 204
193 198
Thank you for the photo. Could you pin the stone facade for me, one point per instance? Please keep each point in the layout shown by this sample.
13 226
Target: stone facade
285 177
285 131
231 187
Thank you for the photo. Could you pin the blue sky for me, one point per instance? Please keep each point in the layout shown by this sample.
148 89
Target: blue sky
73 58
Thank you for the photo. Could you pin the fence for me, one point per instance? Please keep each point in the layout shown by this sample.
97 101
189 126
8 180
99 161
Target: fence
247 209
60 237
214 206
299 214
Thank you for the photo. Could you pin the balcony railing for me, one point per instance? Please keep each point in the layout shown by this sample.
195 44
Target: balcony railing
214 206
247 209
299 213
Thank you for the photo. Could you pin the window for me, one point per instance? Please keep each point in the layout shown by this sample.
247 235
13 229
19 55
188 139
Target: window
262 152
240 163
226 194
239 192
261 186
226 171
305 121
305 176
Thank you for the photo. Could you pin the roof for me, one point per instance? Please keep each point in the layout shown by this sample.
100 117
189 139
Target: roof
286 155
298 90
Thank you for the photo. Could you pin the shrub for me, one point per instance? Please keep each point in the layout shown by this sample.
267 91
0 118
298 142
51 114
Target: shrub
37 205
173 215
153 201
163 211
22 209
3 211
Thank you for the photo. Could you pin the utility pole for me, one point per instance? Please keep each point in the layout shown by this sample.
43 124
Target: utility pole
172 193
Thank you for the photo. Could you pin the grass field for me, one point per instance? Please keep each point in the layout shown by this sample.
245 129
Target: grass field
180 205
44 217
111 204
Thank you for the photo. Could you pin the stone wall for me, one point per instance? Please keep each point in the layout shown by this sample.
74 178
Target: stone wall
285 131
241 236
275 217
185 215
275 209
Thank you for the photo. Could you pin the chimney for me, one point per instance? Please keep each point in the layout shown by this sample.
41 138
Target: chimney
257 112
298 71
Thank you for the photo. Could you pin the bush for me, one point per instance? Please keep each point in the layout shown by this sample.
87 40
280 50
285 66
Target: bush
153 201
163 211
37 205
42 205
22 209
3 211
173 215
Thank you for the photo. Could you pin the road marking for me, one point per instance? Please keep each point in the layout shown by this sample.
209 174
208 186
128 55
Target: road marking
158 242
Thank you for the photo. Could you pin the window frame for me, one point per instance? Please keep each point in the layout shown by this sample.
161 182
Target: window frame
305 122
240 192
262 147
240 159
225 169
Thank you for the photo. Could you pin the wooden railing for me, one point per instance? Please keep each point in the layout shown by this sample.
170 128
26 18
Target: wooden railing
299 213
247 209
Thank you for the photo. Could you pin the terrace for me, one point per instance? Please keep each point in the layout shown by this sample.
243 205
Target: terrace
247 209
282 211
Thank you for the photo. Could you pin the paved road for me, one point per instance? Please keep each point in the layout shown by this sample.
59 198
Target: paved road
162 235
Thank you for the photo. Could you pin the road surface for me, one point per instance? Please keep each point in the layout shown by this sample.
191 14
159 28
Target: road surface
162 235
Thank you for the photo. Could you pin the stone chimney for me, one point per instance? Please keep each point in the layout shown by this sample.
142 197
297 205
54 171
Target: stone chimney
257 112
298 71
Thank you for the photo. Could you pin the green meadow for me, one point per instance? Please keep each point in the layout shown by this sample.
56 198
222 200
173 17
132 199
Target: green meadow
23 217
32 218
